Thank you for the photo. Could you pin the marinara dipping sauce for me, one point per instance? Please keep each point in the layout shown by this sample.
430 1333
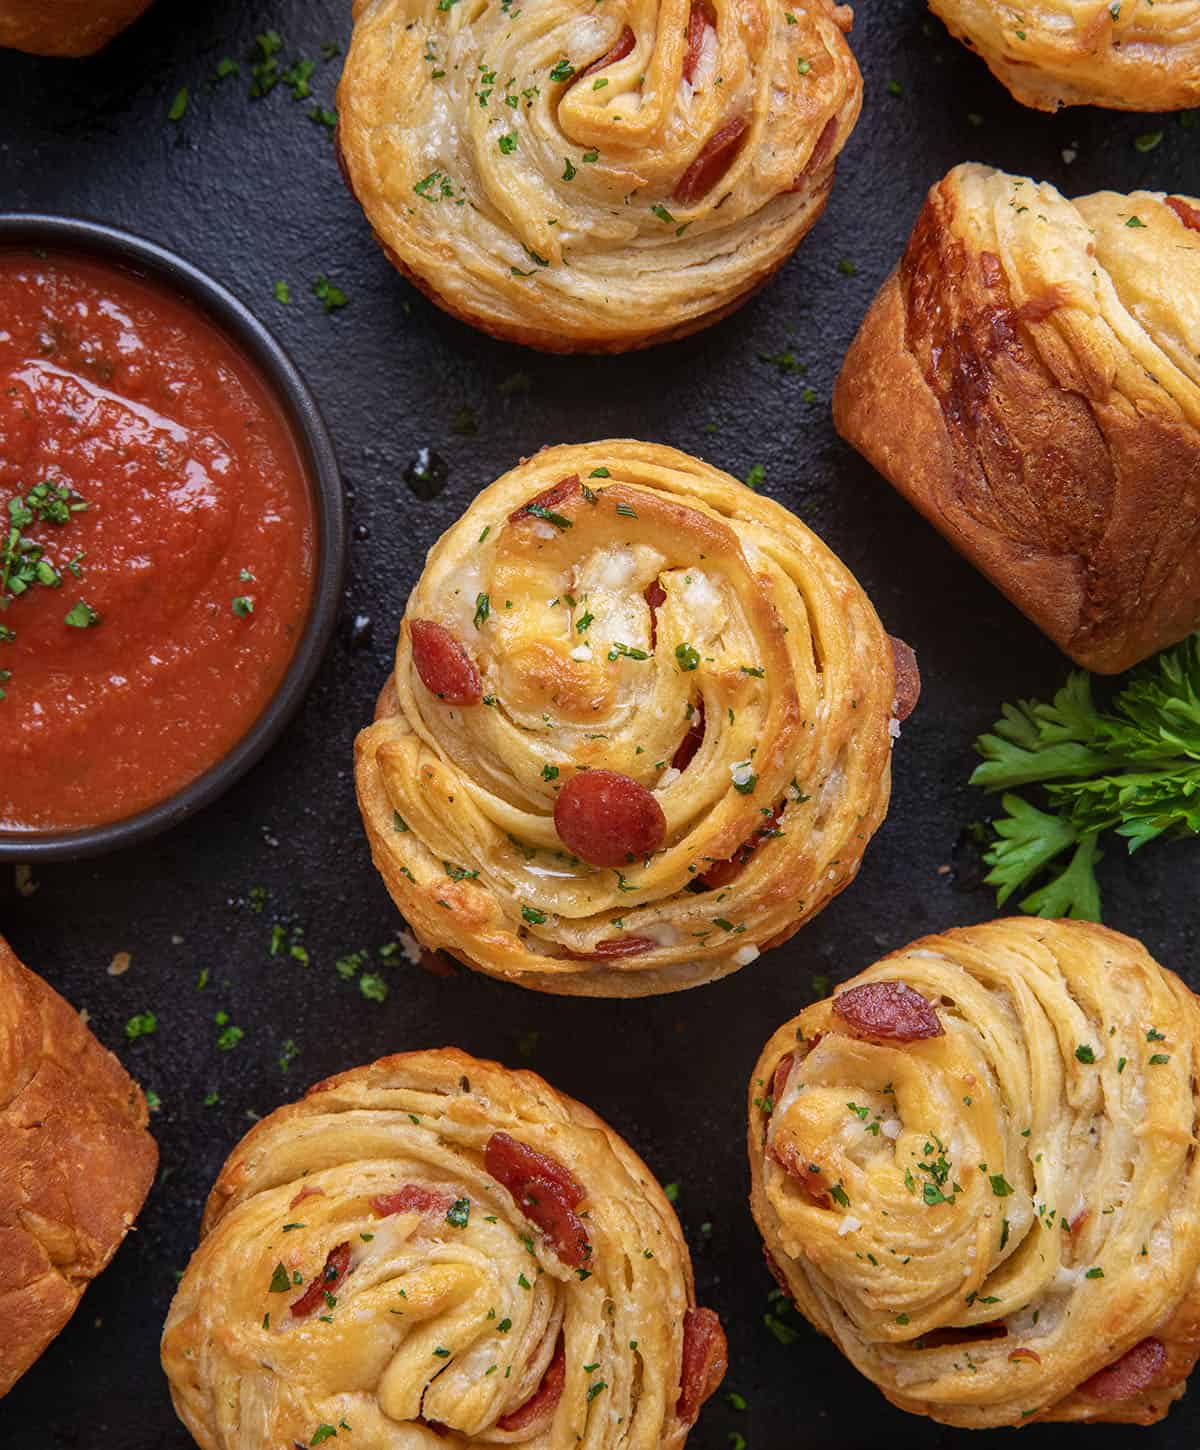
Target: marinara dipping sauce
156 543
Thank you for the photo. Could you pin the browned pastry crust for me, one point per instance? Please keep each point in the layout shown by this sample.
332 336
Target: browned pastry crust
1137 55
65 27
76 1162
1028 379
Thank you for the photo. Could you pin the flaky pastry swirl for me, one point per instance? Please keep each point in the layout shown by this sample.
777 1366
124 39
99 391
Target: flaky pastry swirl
433 1252
594 178
1135 55
670 741
975 1169
1029 378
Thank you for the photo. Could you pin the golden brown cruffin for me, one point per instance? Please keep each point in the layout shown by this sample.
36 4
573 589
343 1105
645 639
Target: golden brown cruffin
583 178
433 1252
1029 378
1135 55
639 727
974 1168
76 1163
65 27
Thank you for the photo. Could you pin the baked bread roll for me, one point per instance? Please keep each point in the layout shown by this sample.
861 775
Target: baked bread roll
438 1253
65 27
76 1163
639 728
1029 378
974 1169
1139 56
594 179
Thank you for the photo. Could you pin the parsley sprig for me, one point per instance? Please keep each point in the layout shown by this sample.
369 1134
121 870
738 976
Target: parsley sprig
1133 769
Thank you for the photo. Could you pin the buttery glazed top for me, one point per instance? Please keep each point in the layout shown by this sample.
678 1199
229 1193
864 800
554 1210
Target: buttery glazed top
172 594
975 1169
616 638
594 176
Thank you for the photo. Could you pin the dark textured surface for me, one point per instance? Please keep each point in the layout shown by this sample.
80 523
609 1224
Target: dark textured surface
249 190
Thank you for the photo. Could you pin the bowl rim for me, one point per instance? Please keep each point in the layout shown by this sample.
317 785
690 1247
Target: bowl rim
284 382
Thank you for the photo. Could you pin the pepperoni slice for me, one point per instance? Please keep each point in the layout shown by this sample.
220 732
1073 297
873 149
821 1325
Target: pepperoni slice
1031 1356
713 161
445 667
514 1164
721 873
654 596
887 1012
337 1265
1188 215
543 1201
809 1175
625 43
908 678
779 1079
1135 1371
547 1193
820 154
607 819
544 1400
705 1358
618 946
700 22
549 501
412 1198
306 1193
692 741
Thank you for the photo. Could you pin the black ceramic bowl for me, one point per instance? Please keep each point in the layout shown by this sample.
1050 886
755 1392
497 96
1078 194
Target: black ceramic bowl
146 259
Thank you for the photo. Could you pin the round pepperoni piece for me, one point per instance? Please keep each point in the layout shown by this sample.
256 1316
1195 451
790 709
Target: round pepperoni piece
712 162
625 43
908 678
1135 1371
608 819
544 1400
887 1012
705 1357
700 22
445 667
619 946
692 741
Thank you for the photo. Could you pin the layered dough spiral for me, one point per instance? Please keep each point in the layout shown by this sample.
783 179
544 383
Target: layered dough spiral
975 1169
431 1253
1029 378
1135 55
76 1162
594 178
639 728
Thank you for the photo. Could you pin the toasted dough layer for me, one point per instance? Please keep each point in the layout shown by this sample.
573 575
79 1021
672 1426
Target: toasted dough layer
76 1162
65 27
1029 378
1139 55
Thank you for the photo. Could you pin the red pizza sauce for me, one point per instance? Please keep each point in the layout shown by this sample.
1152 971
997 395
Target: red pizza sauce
142 454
